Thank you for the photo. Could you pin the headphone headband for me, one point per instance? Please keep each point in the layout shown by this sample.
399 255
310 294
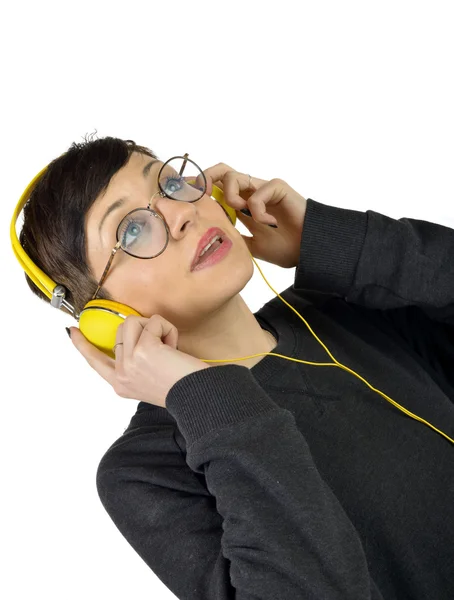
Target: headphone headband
55 292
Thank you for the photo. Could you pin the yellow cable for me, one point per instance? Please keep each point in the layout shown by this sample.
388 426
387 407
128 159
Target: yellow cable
46 285
335 364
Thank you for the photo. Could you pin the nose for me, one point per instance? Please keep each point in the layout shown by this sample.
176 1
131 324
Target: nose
176 213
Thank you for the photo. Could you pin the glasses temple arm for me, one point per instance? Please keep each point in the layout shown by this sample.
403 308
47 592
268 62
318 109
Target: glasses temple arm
184 164
109 262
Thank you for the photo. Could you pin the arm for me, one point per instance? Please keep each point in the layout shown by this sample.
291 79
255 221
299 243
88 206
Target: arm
163 509
270 526
376 261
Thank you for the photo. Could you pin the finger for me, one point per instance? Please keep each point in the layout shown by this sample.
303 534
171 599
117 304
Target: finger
219 171
130 334
248 222
162 329
261 201
139 332
236 186
200 183
253 226
214 175
98 360
237 189
234 183
118 352
118 349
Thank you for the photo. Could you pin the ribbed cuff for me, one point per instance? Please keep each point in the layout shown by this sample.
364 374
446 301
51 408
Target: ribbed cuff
331 245
213 398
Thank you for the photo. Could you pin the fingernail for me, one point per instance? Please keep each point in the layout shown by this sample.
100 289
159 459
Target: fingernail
246 212
68 331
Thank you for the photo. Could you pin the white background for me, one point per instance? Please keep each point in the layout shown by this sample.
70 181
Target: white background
351 103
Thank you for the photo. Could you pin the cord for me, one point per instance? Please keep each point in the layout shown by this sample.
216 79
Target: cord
336 363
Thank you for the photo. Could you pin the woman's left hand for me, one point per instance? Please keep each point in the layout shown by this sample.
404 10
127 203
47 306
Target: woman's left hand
147 363
269 202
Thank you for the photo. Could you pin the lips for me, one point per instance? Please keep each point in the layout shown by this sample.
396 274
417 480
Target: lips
204 240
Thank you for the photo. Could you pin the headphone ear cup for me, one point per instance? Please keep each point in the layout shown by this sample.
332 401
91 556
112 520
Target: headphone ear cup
218 195
99 321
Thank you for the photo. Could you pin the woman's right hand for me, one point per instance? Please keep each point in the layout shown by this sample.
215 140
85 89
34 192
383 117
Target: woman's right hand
270 202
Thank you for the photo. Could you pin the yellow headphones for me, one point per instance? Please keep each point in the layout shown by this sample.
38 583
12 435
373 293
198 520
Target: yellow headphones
99 319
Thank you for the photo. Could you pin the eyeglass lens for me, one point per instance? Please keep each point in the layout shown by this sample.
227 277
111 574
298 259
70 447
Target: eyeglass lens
143 234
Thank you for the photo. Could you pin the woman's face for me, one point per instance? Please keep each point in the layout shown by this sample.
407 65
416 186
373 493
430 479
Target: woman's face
165 284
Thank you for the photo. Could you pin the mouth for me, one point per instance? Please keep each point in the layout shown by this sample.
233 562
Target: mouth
214 233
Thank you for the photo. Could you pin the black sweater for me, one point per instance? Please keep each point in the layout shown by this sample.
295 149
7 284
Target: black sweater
293 481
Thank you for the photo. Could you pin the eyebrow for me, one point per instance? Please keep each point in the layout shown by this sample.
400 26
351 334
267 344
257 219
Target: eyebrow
118 203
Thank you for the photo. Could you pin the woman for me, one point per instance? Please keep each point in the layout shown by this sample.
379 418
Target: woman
281 479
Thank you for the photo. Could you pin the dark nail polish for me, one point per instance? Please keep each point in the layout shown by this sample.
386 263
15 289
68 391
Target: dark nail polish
246 212
68 331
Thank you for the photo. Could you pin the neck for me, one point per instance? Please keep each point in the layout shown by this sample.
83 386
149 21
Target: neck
230 332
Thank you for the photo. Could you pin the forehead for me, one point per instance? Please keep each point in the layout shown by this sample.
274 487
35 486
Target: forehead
127 183
131 172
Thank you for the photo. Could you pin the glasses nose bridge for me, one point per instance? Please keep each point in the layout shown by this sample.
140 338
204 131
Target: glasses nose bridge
161 194
158 193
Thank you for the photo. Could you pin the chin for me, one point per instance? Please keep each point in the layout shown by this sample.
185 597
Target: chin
239 276
226 281
242 265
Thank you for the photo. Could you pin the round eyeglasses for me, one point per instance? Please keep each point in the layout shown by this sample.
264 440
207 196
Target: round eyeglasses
143 232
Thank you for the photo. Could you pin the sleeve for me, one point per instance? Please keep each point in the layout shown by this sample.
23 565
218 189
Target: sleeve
284 533
244 513
378 262
164 510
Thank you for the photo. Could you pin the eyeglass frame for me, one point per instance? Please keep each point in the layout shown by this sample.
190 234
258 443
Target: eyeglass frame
162 194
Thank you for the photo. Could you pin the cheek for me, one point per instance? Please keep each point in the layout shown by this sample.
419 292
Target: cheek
158 290
227 215
152 278
96 258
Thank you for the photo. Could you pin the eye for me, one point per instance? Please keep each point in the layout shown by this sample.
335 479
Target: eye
173 184
130 231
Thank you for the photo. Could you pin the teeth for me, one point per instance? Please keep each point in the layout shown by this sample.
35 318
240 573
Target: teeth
216 237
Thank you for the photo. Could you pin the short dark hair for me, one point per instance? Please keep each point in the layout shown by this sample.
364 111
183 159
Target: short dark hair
53 232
